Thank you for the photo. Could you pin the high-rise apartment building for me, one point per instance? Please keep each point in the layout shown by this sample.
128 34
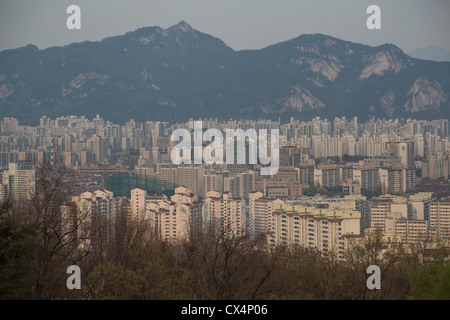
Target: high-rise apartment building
421 203
260 211
19 182
172 219
225 214
436 166
405 151
190 176
310 227
440 219
96 214
240 184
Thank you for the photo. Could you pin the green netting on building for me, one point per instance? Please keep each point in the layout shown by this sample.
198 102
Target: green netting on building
122 184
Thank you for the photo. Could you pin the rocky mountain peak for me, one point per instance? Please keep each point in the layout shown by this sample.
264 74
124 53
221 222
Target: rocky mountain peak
181 26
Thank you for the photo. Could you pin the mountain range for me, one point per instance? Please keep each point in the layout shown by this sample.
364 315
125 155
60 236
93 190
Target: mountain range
431 53
182 73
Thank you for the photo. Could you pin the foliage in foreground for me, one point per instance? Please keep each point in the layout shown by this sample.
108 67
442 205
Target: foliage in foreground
35 252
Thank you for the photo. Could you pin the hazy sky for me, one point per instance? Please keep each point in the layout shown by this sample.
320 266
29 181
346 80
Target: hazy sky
242 24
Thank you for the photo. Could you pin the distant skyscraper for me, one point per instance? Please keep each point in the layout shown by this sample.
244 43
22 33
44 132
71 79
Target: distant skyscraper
99 148
405 151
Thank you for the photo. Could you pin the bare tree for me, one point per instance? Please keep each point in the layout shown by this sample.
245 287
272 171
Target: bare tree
58 239
227 265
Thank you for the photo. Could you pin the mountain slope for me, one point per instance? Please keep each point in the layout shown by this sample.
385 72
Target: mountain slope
182 71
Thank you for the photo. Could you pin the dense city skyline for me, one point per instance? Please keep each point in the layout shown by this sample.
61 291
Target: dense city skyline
359 176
